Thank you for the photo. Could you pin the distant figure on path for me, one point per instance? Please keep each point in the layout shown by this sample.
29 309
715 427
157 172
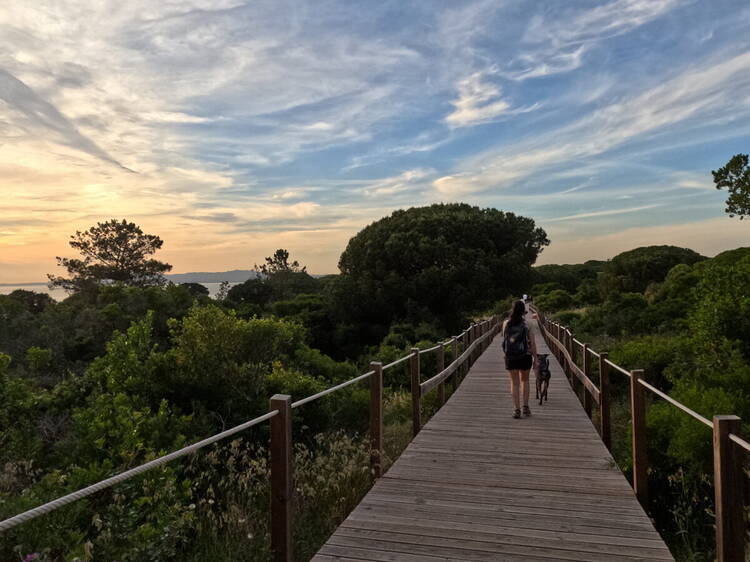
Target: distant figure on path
520 354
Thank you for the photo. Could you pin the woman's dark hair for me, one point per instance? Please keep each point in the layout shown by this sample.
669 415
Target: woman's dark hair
517 312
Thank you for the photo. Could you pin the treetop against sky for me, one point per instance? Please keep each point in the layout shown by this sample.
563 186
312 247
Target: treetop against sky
231 128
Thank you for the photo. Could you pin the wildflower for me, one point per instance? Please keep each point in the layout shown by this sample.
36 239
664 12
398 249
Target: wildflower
30 557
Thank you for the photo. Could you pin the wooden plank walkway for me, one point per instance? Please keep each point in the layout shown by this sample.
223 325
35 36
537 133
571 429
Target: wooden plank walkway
476 484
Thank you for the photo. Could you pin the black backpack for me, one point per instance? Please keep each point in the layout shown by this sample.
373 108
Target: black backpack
516 340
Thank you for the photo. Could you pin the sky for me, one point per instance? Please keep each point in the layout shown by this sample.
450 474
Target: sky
232 128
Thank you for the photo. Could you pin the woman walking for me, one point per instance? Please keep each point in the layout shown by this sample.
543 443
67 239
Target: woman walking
520 355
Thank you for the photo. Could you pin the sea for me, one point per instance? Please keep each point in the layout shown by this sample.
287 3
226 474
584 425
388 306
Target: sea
60 294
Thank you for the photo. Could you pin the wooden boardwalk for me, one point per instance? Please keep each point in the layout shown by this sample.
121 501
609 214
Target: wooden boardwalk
476 484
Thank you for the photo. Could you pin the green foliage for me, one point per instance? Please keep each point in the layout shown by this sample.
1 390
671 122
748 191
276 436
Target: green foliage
735 178
196 289
634 270
554 301
543 288
279 263
653 353
112 251
38 358
255 291
723 305
409 265
567 276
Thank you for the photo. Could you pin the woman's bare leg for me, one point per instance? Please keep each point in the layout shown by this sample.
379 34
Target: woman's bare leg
515 377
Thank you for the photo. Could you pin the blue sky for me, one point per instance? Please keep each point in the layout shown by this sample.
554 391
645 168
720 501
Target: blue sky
232 128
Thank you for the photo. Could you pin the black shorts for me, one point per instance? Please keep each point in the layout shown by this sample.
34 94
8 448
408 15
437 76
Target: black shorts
520 363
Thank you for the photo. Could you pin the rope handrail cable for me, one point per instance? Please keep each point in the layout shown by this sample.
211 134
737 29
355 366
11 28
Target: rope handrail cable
322 393
430 349
740 441
617 367
117 478
396 362
674 402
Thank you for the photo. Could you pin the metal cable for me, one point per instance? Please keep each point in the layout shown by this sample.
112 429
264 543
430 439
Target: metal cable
332 389
674 402
69 498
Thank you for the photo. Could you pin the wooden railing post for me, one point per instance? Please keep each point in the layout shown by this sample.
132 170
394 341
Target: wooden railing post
604 423
454 354
587 398
728 481
472 339
281 478
638 421
465 365
416 392
376 419
440 367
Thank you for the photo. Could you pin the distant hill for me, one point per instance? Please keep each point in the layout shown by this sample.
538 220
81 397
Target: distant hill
234 276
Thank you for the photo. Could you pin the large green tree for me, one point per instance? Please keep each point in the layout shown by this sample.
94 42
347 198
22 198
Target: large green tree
112 251
634 270
735 178
434 263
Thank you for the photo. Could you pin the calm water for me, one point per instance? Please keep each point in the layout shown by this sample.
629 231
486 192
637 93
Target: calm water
59 294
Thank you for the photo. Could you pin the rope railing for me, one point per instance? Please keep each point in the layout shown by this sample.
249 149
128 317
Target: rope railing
728 480
741 442
111 481
676 404
616 367
281 447
322 393
431 383
396 362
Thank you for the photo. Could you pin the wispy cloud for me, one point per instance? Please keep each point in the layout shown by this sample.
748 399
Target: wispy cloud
602 213
45 118
706 90
480 101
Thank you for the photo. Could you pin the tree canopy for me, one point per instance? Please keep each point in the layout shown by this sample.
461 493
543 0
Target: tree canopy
735 178
634 270
279 263
112 251
435 262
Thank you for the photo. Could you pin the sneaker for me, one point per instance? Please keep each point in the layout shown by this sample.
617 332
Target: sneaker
517 415
526 411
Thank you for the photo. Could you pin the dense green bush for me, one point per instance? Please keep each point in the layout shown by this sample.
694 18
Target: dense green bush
554 301
634 270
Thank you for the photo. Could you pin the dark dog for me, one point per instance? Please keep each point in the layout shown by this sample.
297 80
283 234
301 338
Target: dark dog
542 376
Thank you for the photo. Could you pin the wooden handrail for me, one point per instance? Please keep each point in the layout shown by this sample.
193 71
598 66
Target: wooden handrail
728 445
